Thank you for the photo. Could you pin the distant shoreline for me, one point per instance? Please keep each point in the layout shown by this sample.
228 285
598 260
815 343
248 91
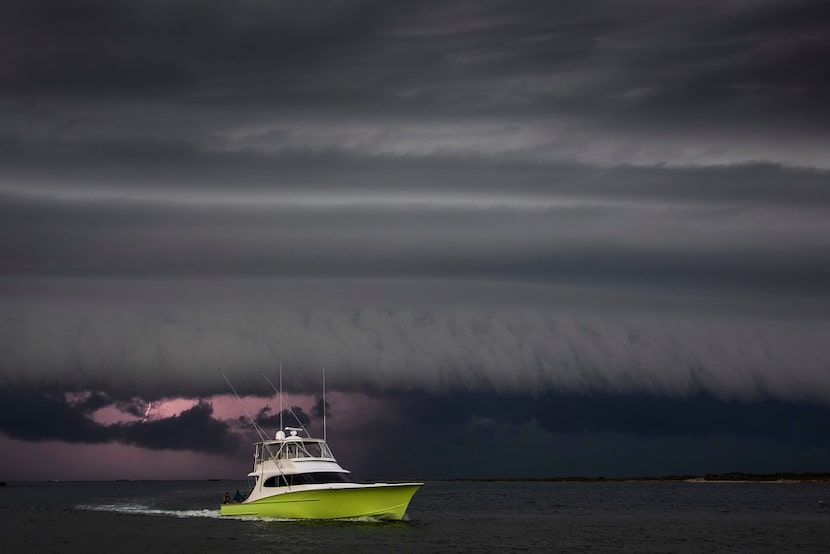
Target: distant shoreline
732 477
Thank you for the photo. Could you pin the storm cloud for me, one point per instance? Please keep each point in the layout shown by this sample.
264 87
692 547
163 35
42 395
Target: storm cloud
165 350
581 203
52 416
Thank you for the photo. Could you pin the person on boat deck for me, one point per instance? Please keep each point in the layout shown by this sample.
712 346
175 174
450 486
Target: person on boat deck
237 497
227 499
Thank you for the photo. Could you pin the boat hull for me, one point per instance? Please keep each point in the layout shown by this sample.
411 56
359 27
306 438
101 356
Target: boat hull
381 501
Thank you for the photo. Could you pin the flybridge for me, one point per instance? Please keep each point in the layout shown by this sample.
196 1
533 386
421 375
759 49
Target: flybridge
288 449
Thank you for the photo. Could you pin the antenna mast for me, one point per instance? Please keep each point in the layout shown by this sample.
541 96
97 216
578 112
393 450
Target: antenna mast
299 421
324 403
280 391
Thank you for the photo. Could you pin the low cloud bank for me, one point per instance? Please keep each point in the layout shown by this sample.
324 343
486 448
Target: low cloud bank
176 351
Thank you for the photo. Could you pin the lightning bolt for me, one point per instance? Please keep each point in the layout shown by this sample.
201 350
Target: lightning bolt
147 412
144 420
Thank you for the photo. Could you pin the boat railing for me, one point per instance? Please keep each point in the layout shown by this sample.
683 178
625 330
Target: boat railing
316 450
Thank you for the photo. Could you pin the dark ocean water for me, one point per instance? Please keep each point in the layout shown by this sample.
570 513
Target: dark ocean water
490 516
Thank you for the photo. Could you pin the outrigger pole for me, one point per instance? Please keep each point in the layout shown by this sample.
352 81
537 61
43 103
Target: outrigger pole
262 436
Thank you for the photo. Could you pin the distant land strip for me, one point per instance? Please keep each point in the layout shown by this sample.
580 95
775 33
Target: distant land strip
731 477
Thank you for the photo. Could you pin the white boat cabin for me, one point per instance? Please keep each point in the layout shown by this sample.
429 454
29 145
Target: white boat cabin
290 461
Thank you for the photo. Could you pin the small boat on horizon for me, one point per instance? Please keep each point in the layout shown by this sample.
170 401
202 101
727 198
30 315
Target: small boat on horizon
299 478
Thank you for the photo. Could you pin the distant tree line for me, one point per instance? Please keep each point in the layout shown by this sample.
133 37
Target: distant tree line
729 476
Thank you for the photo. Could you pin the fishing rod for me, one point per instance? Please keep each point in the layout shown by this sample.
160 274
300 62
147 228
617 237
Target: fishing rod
262 436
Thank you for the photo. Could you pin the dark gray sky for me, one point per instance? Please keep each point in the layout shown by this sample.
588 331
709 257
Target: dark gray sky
505 213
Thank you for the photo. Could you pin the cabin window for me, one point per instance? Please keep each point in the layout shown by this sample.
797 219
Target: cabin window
276 481
318 478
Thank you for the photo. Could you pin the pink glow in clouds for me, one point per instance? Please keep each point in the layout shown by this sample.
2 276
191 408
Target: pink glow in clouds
350 416
225 407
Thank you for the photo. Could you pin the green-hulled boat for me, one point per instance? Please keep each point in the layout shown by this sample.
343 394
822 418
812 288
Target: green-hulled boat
298 478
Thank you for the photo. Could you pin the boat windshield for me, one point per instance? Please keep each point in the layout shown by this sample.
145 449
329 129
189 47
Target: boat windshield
293 450
316 478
